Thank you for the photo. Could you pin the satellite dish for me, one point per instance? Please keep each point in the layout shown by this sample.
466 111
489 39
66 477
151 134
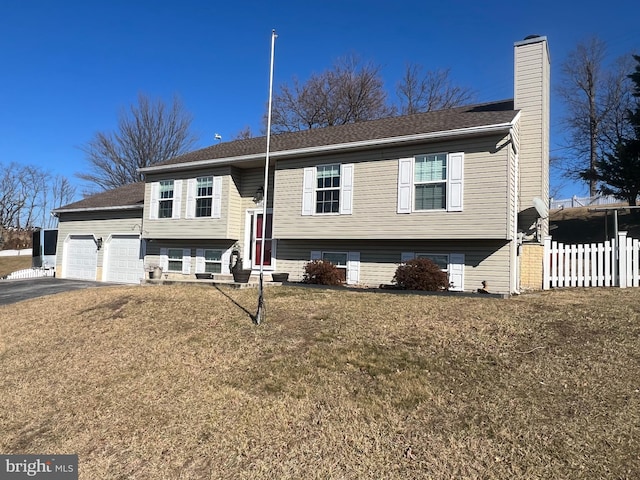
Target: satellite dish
540 207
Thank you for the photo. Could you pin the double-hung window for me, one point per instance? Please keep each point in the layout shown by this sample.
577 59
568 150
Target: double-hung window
328 189
213 261
165 201
175 259
166 198
430 182
451 263
204 196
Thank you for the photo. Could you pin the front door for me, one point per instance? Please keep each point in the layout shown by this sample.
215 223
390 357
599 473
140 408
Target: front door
255 235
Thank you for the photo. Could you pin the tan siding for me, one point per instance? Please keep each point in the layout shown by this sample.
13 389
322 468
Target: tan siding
152 257
486 189
98 224
195 228
379 259
532 98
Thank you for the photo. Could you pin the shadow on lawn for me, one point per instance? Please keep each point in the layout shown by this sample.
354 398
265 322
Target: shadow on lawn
251 315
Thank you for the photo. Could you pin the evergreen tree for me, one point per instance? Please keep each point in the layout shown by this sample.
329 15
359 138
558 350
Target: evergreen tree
619 171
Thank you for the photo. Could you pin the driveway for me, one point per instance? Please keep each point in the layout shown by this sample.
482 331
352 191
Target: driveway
13 291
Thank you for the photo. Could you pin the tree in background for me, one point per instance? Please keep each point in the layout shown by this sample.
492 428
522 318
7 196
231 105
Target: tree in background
619 171
433 90
27 196
351 91
147 134
596 102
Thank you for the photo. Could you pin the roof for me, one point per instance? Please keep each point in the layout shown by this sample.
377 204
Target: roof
449 120
465 120
122 198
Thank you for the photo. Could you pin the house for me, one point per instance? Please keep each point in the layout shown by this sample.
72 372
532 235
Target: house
456 185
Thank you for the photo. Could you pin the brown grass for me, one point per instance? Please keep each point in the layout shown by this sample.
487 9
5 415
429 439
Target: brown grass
12 264
175 382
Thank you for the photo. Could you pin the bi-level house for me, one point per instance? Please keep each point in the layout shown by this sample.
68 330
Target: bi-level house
456 186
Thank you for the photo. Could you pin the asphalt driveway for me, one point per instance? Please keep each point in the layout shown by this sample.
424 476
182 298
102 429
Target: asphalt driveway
12 291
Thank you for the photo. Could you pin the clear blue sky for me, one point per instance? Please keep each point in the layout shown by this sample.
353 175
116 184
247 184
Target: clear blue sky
67 67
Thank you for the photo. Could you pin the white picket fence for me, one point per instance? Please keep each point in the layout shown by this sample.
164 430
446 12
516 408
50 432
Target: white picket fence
31 273
606 264
575 201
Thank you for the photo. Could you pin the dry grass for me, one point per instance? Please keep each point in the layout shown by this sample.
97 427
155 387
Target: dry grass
176 383
12 264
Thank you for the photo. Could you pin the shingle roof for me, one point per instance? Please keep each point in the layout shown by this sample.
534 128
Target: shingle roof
128 196
484 114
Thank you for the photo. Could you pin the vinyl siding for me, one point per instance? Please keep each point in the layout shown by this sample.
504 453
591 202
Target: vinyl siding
532 97
484 260
100 225
152 257
198 228
375 191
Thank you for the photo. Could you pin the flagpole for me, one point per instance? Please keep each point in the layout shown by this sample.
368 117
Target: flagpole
260 314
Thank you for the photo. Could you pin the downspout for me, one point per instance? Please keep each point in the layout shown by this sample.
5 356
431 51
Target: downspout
516 236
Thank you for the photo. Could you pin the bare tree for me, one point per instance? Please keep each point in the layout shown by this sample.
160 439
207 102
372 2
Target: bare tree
351 91
60 192
244 134
433 90
147 134
596 102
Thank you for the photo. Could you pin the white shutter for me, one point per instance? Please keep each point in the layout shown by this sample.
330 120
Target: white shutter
200 261
226 259
456 271
216 208
455 176
353 268
186 261
406 256
164 259
153 209
346 192
191 199
307 190
405 184
316 255
177 198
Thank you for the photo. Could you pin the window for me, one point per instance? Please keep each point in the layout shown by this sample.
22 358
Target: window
348 263
441 260
213 261
430 182
204 196
328 189
165 203
175 259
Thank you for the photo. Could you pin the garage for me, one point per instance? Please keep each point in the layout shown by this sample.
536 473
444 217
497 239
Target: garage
80 257
123 260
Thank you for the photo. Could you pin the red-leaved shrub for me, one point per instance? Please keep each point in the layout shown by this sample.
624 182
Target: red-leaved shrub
321 273
421 274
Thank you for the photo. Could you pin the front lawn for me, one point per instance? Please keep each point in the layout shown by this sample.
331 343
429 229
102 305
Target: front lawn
176 382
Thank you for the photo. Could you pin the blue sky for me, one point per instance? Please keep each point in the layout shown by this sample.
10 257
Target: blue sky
67 67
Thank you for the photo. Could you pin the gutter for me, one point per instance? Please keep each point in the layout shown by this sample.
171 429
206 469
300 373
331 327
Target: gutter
95 209
470 131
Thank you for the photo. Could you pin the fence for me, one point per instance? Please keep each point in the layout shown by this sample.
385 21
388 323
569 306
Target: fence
574 201
607 264
31 273
15 253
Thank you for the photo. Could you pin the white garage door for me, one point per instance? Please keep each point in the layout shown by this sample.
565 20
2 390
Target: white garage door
81 258
123 261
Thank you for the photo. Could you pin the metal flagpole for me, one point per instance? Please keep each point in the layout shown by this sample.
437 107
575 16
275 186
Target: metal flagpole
260 314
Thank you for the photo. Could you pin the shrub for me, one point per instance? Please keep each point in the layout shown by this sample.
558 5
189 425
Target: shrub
421 274
321 273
